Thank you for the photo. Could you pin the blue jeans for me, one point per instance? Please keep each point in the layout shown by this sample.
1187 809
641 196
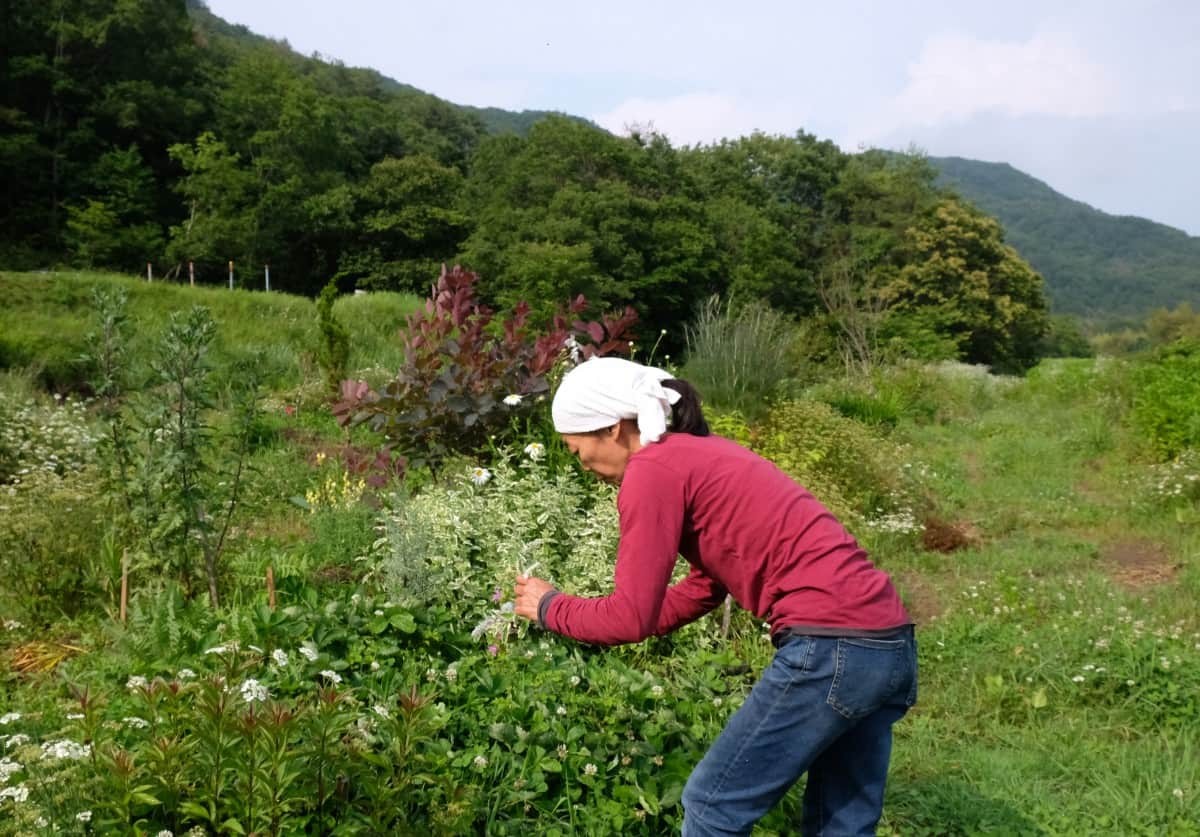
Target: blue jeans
825 705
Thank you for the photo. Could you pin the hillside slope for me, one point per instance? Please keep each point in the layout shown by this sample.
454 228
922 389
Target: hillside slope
1095 264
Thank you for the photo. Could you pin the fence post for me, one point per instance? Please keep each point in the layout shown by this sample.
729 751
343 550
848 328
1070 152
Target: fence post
124 585
231 274
192 273
267 273
149 272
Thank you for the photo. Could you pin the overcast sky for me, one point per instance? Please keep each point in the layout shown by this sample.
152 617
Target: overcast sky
1099 99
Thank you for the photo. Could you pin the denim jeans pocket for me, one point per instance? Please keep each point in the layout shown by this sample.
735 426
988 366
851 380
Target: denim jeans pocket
867 674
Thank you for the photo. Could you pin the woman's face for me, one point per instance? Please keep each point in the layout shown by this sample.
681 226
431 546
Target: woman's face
603 452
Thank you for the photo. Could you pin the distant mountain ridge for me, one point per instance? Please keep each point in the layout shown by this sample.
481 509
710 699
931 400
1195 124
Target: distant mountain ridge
1095 265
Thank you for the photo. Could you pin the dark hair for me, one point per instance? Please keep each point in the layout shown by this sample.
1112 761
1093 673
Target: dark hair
686 414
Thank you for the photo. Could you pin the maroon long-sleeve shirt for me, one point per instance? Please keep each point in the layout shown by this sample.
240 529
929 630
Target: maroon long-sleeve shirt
746 528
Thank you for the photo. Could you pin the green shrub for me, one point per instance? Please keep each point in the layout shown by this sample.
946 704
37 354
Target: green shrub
857 474
1166 399
738 357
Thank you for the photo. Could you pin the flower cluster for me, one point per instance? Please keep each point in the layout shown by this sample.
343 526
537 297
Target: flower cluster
34 438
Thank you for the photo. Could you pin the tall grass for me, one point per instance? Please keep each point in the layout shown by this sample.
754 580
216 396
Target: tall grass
738 357
45 318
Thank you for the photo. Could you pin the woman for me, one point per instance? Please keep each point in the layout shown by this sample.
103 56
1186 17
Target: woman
845 668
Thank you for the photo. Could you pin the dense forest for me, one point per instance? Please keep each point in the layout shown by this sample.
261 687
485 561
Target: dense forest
152 131
1096 265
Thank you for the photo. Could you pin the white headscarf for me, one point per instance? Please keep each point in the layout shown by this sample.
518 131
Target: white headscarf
602 391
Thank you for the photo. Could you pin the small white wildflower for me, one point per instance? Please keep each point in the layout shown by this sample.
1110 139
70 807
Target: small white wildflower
480 762
12 625
480 476
17 793
561 710
1178 794
355 599
431 674
166 832
136 682
379 613
513 400
75 716
535 451
7 769
185 674
1130 682
451 673
65 749
561 750
42 822
381 710
253 691
374 665
331 676
279 657
84 816
656 690
718 701
575 681
5 720
308 651
589 769
135 722
1078 678
15 740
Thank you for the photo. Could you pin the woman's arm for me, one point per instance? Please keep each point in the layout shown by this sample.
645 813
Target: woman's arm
651 507
688 600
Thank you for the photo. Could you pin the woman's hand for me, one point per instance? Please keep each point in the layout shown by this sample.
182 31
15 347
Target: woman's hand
528 595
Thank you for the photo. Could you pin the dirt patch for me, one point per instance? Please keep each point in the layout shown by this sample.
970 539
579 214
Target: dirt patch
940 535
920 599
1137 562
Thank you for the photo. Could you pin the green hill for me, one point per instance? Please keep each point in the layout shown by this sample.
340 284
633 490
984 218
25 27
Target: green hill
1095 264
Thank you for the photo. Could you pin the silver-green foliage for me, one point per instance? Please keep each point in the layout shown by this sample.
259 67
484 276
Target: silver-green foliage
456 543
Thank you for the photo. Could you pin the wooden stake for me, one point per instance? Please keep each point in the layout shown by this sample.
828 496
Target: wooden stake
231 274
267 273
124 585
149 272
270 587
191 273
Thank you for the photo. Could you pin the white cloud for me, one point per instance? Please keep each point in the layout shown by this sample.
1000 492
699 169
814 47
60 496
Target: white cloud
699 117
957 76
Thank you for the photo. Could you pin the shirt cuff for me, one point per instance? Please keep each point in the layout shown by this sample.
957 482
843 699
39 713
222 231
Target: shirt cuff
544 606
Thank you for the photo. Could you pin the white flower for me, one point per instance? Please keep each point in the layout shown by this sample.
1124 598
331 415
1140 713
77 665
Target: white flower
279 657
7 769
15 740
253 691
374 665
535 451
513 400
308 651
135 723
5 720
75 716
717 701
1178 794
136 682
12 625
185 674
331 676
561 710
379 613
381 710
589 769
65 749
1078 678
656 690
575 681
451 673
216 649
17 793
84 816
480 476
480 762
166 832
561 750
